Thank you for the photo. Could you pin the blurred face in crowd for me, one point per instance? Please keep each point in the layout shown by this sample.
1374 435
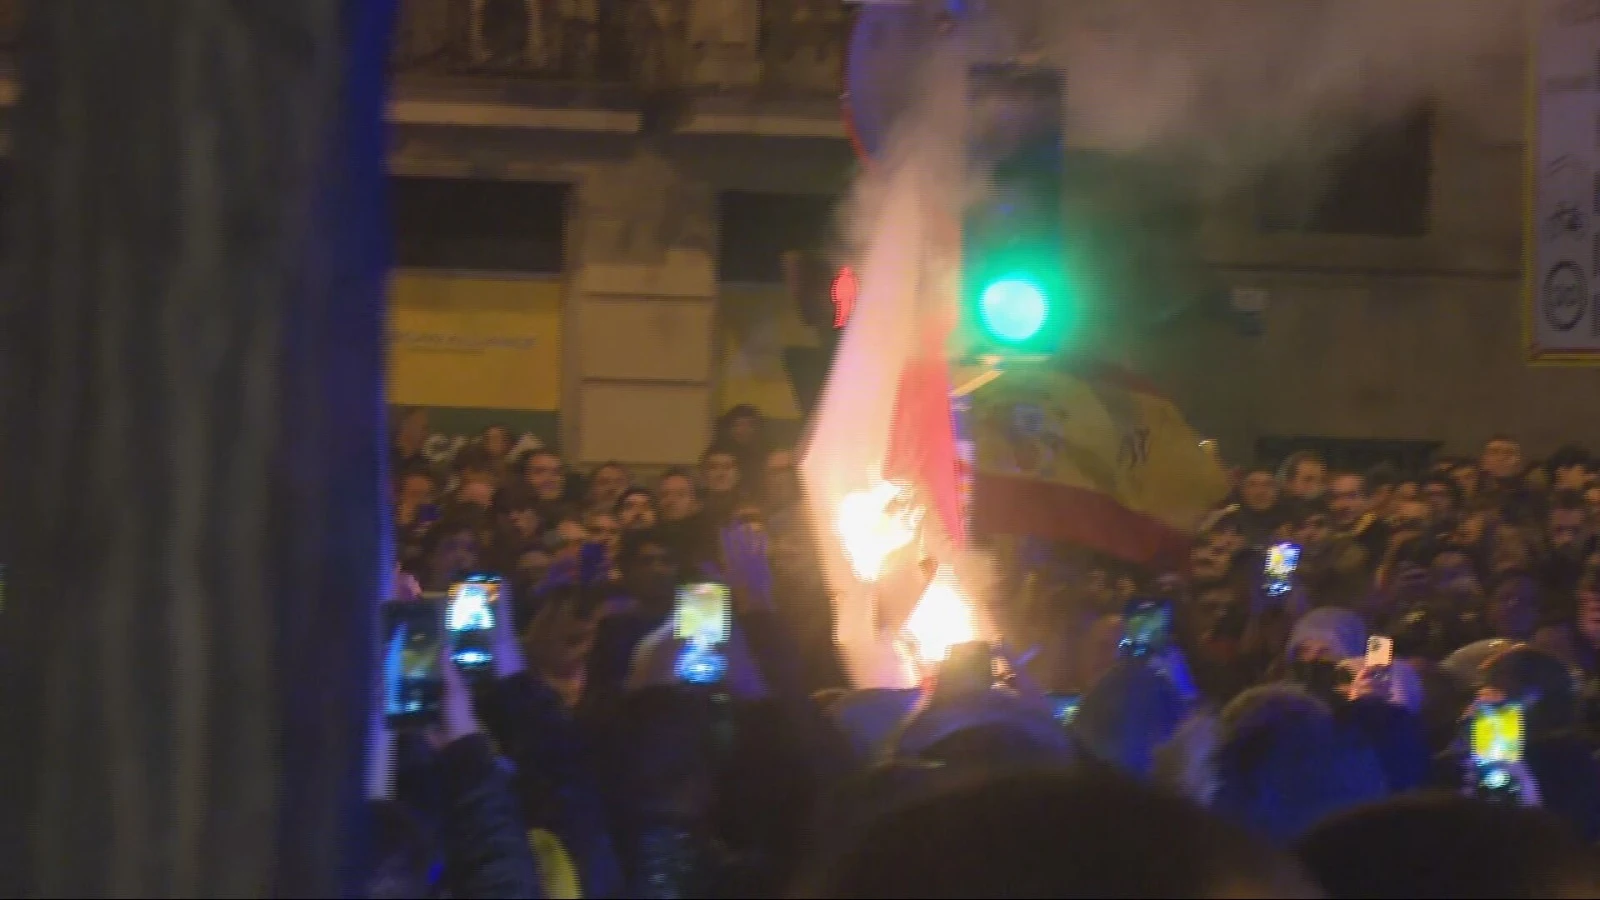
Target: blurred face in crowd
1308 479
1313 532
1591 498
1209 559
413 431
1589 616
523 521
1568 529
1511 550
636 512
1439 500
1259 491
744 430
602 528
721 473
476 491
415 491
1347 499
456 553
1571 478
543 474
1514 610
782 482
1466 477
567 539
677 499
497 441
651 576
1410 515
1502 458
607 485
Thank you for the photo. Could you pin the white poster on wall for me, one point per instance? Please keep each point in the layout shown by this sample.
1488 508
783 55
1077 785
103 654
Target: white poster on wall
1562 272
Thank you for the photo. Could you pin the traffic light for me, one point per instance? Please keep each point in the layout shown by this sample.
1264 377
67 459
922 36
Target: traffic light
1017 295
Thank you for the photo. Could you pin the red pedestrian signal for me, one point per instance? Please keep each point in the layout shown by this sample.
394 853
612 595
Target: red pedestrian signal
843 293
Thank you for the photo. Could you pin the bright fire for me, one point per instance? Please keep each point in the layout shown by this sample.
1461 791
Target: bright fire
942 619
870 530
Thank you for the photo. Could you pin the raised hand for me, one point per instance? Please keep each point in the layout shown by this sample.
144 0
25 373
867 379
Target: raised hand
745 566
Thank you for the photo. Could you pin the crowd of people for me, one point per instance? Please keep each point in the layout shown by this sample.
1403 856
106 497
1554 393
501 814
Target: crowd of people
1257 750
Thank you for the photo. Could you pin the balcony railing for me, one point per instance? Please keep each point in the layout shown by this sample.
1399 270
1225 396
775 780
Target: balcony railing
777 47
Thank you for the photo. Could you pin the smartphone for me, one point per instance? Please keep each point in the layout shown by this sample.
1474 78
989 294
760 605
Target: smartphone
413 685
1146 626
473 603
702 614
1064 707
1277 573
1495 737
1380 652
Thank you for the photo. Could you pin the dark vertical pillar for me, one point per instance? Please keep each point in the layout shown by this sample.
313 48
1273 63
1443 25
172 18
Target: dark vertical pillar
191 457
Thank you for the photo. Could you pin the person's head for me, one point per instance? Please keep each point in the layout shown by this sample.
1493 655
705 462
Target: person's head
1382 484
416 488
412 429
648 570
516 511
1442 845
781 480
1568 523
676 495
607 484
1045 834
1502 457
1410 515
601 527
1443 496
1569 468
1304 475
474 464
1537 680
543 471
1209 558
496 441
1347 498
1588 620
1284 762
742 425
1258 490
1311 524
1511 552
636 510
1514 606
1591 499
566 538
452 547
719 469
475 492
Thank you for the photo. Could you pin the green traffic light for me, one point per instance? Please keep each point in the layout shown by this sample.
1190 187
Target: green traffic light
1013 310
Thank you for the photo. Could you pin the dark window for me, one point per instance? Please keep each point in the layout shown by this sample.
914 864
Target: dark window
480 225
757 229
1378 186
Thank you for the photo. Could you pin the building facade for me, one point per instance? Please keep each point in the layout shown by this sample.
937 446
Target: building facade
592 197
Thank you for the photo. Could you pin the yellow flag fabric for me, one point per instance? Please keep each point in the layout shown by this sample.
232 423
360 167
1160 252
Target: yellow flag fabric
1091 455
556 869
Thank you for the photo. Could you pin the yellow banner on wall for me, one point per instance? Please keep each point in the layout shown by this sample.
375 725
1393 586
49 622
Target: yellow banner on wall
758 324
475 342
